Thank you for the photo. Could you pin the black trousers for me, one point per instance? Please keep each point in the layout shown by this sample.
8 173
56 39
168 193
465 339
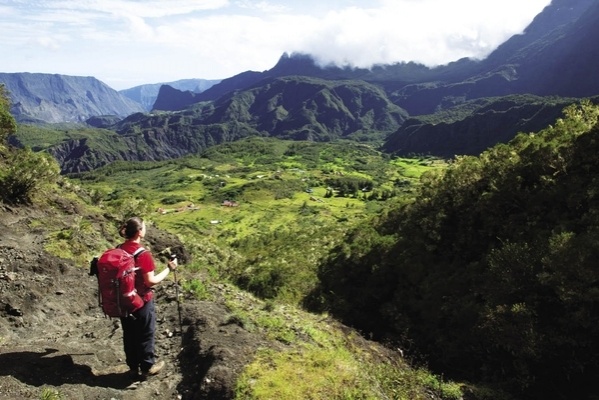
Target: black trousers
138 337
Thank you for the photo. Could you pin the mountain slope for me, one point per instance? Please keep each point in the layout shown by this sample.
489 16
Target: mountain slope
497 120
312 109
146 94
562 61
555 56
552 57
554 18
570 65
491 271
62 98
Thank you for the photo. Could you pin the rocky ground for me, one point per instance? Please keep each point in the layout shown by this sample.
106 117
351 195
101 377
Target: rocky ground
54 337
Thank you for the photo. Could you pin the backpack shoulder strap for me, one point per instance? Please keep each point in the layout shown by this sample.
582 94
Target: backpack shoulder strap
138 252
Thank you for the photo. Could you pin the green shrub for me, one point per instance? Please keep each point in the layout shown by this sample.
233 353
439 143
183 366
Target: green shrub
22 172
128 207
51 394
26 173
173 199
197 288
7 121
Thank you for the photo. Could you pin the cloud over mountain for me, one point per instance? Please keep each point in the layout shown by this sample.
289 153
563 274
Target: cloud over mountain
126 43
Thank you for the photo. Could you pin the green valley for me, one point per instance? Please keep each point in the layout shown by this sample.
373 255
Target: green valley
280 204
405 274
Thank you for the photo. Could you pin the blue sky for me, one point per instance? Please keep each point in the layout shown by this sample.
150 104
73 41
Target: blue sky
125 43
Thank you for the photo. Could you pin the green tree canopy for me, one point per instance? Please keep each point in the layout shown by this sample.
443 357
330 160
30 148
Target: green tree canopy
23 173
7 121
491 272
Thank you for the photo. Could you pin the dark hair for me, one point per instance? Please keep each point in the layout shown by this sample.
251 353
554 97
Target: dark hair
130 228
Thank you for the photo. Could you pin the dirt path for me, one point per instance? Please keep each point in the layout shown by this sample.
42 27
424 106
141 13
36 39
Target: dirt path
53 336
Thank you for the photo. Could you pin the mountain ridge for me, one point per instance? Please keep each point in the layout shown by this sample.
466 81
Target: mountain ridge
498 74
146 94
55 98
286 101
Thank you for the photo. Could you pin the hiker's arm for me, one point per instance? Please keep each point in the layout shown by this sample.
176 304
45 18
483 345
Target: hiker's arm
152 279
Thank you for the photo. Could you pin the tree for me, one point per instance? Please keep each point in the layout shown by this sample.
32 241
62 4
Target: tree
490 273
7 121
22 172
25 173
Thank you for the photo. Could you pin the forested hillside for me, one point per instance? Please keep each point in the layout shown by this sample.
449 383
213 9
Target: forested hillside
294 108
490 274
476 125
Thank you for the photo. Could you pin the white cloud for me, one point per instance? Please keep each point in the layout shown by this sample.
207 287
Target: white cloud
428 31
264 6
131 42
138 8
48 42
6 11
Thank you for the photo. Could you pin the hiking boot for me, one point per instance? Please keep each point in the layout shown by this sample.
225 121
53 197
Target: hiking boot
133 374
154 369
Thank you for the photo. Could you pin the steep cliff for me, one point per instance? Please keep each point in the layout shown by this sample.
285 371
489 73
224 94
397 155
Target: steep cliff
146 94
60 98
497 121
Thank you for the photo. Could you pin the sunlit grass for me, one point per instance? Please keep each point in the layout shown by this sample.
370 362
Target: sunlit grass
286 217
320 361
51 394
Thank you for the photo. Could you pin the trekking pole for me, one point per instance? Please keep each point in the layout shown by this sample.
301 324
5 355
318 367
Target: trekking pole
174 258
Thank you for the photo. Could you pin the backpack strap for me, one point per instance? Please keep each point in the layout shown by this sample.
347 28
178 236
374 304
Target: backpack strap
135 254
138 252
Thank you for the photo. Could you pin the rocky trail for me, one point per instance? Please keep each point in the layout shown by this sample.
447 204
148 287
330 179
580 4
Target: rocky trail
54 339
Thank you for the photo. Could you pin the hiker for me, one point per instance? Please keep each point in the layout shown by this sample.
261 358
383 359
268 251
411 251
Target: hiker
139 327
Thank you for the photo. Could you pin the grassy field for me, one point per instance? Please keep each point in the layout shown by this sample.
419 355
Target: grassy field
257 186
279 205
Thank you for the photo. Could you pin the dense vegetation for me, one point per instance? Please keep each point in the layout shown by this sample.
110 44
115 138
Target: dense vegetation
313 357
484 269
264 199
490 274
23 173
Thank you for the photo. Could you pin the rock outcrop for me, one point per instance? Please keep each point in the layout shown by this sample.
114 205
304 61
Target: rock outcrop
146 94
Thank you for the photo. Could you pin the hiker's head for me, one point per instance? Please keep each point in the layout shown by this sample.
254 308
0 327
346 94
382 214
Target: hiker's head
132 228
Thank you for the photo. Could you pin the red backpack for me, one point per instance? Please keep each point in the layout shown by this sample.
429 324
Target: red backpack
116 282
